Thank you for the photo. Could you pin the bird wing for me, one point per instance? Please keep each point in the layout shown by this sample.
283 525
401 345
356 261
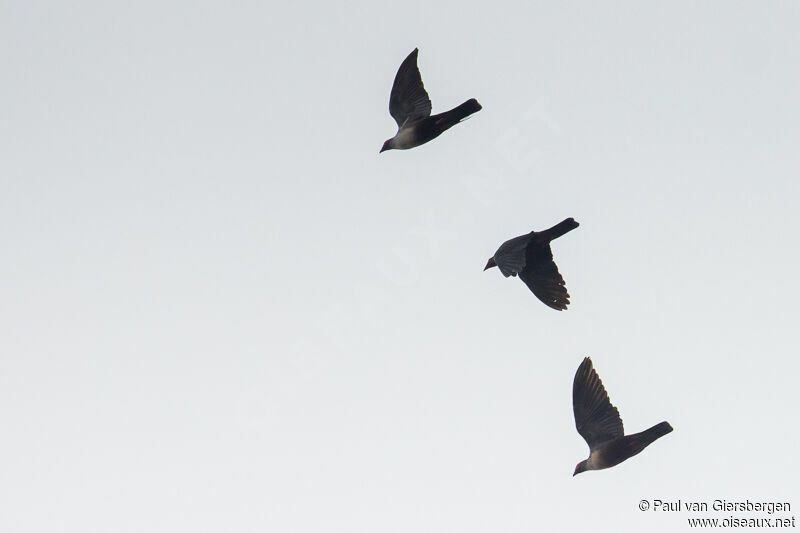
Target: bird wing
542 277
510 257
409 101
596 419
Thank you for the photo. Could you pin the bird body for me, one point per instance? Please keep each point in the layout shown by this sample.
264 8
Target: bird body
410 107
530 257
600 425
406 138
617 451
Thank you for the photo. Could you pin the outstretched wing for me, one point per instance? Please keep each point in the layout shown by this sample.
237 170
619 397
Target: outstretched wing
542 277
409 101
510 257
596 419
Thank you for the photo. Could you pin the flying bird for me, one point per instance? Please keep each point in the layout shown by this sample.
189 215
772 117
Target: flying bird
410 107
599 424
530 257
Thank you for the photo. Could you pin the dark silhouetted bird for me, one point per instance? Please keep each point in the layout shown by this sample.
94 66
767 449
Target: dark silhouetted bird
410 107
530 257
599 424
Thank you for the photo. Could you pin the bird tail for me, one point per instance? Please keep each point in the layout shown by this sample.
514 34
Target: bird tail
633 444
450 118
648 436
559 229
657 431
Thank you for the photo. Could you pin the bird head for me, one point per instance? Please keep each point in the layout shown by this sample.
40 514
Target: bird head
386 146
580 467
490 263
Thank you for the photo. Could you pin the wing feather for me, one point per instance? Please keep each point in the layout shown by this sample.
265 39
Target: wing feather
510 257
409 101
542 277
596 420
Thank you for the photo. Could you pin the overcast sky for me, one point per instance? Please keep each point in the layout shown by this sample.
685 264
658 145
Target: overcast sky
222 310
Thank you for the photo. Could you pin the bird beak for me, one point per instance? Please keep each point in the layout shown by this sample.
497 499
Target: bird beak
489 264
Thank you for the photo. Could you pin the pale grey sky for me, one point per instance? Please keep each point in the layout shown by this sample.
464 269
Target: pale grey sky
222 310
